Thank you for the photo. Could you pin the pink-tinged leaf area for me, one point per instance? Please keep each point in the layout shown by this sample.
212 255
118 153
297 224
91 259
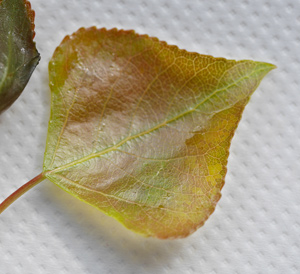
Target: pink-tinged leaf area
141 130
31 16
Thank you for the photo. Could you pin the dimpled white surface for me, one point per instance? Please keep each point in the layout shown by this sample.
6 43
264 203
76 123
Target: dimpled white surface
255 227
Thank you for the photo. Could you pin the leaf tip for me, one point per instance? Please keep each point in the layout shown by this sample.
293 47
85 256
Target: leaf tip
269 66
261 69
266 67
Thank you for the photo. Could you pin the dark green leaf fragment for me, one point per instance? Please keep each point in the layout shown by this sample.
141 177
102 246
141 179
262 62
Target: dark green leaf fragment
18 53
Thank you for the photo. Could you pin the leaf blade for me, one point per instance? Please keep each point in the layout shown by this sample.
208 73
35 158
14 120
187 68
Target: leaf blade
117 97
19 56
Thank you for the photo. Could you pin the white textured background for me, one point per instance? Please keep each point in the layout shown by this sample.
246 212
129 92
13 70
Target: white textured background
256 226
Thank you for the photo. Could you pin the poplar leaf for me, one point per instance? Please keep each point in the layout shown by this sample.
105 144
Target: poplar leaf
141 130
18 54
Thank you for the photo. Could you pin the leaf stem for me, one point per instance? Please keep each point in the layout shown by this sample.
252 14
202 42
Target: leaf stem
19 192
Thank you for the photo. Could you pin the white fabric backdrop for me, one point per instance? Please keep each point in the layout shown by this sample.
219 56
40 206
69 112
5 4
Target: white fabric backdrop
255 228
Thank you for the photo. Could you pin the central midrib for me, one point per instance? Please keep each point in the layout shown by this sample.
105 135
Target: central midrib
113 148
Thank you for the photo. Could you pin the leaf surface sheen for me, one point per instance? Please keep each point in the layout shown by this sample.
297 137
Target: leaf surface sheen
18 54
141 130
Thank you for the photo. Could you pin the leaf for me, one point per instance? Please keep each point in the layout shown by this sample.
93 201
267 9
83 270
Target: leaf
18 54
141 130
